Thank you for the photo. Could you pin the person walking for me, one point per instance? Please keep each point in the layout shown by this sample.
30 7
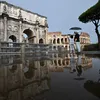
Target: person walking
72 47
77 41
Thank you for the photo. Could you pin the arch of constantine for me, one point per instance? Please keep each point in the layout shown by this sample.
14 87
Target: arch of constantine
20 25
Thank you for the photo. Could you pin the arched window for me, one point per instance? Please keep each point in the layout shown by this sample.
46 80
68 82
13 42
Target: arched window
58 40
62 40
54 41
65 40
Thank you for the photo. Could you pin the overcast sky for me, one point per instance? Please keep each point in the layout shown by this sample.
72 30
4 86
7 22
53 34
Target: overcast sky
61 14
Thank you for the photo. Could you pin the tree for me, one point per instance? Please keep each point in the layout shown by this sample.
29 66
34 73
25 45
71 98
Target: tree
92 15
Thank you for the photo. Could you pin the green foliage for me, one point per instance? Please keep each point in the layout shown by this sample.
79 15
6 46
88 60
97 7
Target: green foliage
91 14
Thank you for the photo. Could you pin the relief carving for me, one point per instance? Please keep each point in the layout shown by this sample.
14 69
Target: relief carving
13 28
9 28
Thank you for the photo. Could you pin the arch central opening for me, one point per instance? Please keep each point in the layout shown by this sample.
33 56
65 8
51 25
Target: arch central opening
28 36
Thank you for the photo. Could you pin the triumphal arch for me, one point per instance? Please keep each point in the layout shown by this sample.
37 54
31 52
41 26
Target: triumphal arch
20 25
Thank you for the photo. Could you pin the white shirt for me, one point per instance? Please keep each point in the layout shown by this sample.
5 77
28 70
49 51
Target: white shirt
71 40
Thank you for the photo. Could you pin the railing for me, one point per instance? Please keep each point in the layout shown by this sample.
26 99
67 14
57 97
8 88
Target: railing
13 47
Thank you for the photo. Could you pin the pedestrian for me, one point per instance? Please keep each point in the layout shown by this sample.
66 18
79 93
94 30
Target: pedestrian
72 47
77 41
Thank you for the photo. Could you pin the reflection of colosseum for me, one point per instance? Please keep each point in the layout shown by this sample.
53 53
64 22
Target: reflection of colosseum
86 62
59 62
58 40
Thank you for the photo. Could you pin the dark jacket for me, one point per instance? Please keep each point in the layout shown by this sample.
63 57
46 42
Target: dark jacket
77 37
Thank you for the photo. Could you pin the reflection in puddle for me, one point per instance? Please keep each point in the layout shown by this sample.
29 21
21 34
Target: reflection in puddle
23 80
33 79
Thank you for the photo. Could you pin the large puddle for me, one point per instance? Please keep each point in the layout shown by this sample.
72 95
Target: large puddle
51 77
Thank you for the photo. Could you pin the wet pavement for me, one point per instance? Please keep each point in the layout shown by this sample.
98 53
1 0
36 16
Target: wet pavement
50 77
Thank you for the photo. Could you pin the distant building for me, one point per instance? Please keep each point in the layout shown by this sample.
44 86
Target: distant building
84 39
58 40
61 41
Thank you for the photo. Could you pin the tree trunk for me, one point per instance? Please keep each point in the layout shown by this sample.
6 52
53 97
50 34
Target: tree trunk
98 35
99 42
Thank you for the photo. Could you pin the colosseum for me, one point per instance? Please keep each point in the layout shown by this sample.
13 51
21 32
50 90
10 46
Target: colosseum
59 40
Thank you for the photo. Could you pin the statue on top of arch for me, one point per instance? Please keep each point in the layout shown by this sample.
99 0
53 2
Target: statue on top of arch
4 9
20 14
